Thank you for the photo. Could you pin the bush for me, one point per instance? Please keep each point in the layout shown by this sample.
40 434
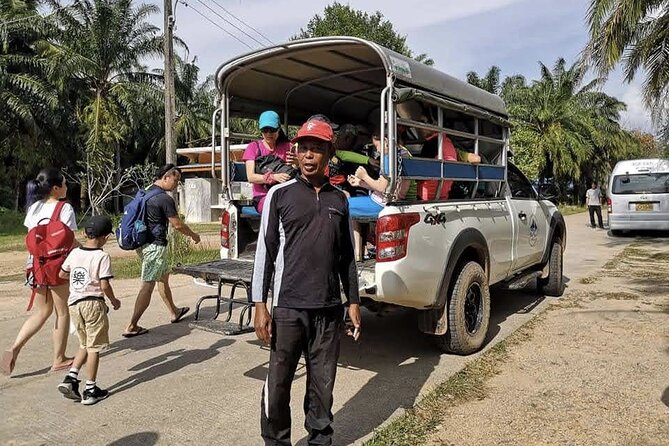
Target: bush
11 222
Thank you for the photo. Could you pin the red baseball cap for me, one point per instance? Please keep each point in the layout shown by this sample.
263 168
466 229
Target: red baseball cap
315 129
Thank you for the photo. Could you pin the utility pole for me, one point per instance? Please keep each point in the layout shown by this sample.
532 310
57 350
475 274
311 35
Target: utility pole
170 100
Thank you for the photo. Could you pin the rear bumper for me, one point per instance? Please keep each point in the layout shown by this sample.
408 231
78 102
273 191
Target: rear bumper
658 222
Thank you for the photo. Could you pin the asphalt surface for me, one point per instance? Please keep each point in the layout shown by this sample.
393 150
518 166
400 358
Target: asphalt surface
180 384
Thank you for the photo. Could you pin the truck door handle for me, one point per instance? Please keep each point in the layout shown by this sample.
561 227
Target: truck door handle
522 215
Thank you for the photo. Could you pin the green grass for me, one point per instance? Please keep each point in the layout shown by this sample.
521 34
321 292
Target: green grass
11 223
569 209
12 231
130 267
180 251
13 242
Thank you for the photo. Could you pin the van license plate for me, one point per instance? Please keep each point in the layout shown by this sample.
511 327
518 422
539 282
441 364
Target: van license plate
644 207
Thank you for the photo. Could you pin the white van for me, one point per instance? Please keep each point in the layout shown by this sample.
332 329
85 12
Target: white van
638 195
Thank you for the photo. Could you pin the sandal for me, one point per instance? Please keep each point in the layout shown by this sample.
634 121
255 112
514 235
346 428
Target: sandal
182 313
132 334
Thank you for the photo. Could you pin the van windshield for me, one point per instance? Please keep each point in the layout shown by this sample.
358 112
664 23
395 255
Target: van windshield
643 183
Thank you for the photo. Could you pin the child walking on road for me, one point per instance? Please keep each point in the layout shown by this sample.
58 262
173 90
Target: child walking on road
89 271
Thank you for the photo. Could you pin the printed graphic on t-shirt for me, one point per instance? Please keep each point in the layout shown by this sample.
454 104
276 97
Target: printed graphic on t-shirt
79 278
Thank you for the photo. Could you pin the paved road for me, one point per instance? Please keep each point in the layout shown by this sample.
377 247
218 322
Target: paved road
182 385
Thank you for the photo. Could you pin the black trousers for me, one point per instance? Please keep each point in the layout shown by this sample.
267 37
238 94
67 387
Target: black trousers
595 210
316 334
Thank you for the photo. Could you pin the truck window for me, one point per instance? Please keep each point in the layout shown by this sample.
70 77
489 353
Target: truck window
519 185
644 183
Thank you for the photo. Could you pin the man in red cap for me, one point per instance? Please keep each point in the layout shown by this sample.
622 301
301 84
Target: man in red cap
305 249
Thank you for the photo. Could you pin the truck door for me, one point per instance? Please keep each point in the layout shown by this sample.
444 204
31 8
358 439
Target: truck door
529 220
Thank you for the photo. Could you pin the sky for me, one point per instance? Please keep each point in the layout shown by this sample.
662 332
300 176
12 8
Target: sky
460 35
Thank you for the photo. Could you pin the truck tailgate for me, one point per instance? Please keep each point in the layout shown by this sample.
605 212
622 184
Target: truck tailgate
226 270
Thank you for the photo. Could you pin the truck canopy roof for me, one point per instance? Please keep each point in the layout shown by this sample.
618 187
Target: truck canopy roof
341 77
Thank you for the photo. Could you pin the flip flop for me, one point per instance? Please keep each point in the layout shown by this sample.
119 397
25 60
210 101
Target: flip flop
132 334
7 363
64 366
181 314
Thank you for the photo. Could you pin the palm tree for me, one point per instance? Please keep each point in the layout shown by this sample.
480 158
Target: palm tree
195 103
99 52
568 129
634 33
25 93
489 82
28 99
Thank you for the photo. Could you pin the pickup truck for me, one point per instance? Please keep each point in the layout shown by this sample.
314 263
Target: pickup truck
439 254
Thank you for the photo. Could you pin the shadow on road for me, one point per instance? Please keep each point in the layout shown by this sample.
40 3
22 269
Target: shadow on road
401 360
665 397
138 439
168 363
160 335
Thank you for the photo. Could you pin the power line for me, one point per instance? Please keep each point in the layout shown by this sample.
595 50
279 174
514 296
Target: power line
232 24
216 24
242 21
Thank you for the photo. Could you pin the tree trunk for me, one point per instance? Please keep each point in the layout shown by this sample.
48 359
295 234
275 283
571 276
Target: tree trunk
83 194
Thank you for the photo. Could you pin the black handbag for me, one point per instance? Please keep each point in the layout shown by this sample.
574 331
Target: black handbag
272 163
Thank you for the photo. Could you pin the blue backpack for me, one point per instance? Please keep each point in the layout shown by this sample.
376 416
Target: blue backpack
133 232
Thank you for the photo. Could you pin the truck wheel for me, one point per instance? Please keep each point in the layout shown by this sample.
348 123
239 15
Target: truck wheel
468 312
553 285
616 232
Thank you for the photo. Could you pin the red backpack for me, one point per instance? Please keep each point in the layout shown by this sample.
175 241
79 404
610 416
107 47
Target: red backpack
49 244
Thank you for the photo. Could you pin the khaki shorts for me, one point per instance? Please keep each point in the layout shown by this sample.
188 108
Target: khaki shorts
154 262
90 319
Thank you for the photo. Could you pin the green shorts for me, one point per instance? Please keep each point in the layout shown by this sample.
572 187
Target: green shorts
154 262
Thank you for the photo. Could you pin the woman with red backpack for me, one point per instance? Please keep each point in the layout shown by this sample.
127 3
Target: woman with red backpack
44 200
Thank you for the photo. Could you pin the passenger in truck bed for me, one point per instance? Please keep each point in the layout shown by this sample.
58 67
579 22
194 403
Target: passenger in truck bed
274 141
370 205
348 157
427 189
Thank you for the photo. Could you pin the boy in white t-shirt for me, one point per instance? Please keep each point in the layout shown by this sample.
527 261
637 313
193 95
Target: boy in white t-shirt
89 271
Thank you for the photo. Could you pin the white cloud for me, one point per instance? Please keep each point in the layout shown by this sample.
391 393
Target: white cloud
636 116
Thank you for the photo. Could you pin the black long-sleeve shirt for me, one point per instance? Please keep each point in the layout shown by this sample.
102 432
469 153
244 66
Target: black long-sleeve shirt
305 247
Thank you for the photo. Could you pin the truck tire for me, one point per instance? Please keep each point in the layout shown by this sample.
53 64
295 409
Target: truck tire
468 312
553 285
616 232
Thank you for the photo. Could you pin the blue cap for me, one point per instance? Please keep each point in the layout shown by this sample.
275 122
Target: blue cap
269 118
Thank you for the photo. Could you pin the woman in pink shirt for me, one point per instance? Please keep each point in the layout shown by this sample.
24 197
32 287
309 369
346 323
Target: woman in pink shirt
274 141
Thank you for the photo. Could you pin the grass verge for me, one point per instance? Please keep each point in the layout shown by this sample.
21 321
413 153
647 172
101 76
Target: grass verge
180 251
12 242
569 209
469 384
130 267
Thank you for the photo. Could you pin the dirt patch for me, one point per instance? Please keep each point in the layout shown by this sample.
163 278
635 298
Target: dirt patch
593 371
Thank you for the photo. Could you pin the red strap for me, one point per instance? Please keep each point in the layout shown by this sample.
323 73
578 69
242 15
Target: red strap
56 212
32 297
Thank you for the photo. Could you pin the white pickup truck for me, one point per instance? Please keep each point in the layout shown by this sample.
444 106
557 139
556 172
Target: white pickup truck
439 254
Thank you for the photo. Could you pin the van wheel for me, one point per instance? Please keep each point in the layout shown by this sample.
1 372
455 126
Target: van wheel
553 285
468 312
616 232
